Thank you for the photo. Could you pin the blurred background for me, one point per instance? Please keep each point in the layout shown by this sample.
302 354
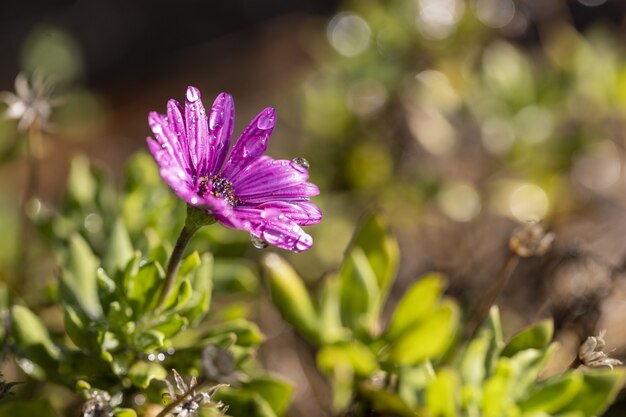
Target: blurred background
458 119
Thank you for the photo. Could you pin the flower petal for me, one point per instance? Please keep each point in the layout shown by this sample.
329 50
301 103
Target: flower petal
222 211
168 140
298 192
177 126
266 175
172 173
275 228
251 144
197 130
221 123
304 213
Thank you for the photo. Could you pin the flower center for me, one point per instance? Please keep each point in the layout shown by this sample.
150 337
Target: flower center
218 187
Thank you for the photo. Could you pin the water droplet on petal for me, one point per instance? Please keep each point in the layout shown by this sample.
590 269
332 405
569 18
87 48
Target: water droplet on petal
267 119
304 243
192 94
257 242
301 162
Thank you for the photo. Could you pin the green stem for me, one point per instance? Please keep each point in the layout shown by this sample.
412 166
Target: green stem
196 218
174 263
481 312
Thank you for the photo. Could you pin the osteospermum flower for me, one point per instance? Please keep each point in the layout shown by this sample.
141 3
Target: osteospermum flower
242 189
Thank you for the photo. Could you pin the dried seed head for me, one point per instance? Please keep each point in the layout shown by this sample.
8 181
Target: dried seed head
591 355
32 102
530 239
188 398
98 404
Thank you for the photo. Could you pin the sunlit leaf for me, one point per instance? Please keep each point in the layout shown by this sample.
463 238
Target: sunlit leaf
79 282
537 336
428 338
291 296
418 301
142 373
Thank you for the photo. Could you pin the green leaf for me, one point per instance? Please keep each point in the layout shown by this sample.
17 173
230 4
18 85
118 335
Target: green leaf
353 355
148 340
291 297
526 367
554 394
386 402
119 250
82 186
600 387
420 300
367 274
427 339
142 288
179 297
330 313
188 264
235 277
495 399
442 394
474 359
171 325
276 391
246 333
77 329
244 403
33 341
124 412
494 328
534 337
79 283
118 315
142 373
202 283
39 408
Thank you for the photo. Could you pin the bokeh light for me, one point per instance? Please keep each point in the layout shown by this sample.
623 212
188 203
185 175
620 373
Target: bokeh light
528 202
349 34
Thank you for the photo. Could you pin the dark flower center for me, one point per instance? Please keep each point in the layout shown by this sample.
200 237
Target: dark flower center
218 187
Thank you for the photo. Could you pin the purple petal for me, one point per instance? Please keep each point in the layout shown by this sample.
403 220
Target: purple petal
197 130
172 173
177 126
266 175
304 213
293 193
251 144
275 228
222 211
221 122
168 140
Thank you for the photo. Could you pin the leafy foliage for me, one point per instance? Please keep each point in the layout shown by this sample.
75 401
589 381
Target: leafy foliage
114 335
416 365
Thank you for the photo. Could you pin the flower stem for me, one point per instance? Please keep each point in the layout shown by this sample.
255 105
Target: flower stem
480 314
34 143
196 218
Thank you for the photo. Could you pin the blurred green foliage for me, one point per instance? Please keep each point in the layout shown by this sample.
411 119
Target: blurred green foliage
416 364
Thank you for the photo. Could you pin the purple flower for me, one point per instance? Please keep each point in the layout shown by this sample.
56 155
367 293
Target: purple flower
243 189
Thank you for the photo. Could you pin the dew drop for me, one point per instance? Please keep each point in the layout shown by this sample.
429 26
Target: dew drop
257 242
192 94
302 162
304 243
267 119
